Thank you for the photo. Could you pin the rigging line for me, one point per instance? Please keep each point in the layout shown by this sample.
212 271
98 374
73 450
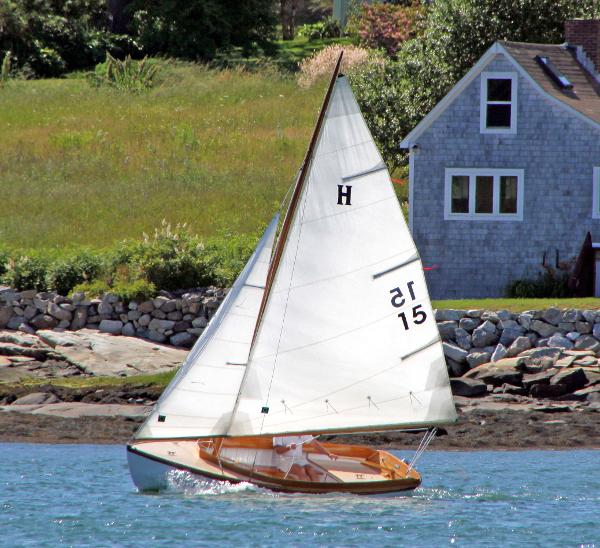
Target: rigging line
410 261
349 211
373 169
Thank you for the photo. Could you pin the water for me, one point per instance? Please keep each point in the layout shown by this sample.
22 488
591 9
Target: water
81 495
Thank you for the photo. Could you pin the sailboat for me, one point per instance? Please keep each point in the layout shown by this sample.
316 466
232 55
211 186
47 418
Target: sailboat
329 330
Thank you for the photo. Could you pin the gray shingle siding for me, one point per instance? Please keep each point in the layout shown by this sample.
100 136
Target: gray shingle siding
557 151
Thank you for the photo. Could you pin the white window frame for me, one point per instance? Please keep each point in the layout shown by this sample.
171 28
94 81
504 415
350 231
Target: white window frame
472 173
596 193
483 102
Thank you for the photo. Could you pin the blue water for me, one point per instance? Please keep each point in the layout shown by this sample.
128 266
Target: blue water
81 495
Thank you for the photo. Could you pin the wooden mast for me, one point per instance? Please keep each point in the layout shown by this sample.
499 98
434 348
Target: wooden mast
287 222
289 216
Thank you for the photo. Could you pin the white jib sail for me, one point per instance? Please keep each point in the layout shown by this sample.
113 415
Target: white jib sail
200 399
348 340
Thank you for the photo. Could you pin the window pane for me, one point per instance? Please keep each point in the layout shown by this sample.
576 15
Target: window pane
460 194
508 194
484 194
499 89
498 116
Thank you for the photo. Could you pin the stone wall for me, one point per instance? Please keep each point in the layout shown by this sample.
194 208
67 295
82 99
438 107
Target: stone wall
556 150
177 320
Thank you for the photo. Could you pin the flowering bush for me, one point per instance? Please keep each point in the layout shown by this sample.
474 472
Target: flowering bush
384 26
323 62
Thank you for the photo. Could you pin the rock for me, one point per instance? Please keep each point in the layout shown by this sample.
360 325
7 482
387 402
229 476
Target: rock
520 344
543 329
78 297
538 353
504 315
200 322
6 313
28 294
589 316
156 336
583 327
105 308
15 322
145 320
529 379
463 339
182 326
512 389
468 324
176 315
446 329
184 339
573 336
596 330
586 361
475 313
133 315
466 387
43 321
113 327
558 341
101 354
169 306
499 353
548 390
566 361
146 307
484 335
570 315
506 324
454 352
128 330
572 379
510 334
158 302
541 343
36 398
161 325
157 313
455 369
490 316
552 316
595 389
525 320
478 358
440 315
80 317
587 342
565 327
496 375
26 328
29 312
579 353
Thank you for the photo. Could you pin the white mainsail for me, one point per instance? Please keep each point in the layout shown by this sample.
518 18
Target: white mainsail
200 399
347 340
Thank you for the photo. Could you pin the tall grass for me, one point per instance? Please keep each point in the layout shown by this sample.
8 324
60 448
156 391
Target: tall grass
214 149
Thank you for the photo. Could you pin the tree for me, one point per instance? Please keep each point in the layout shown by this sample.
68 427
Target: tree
288 18
197 29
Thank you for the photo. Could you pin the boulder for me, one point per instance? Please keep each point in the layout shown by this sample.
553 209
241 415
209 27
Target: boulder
476 313
157 313
169 306
543 329
128 330
183 339
182 326
548 390
454 352
499 353
491 316
565 327
440 315
146 307
506 324
484 335
463 339
572 379
176 315
478 358
583 327
159 301
466 387
43 321
161 325
446 329
6 313
200 322
156 336
520 344
36 398
589 316
530 379
565 361
80 317
525 320
455 369
596 330
573 336
511 389
587 342
145 320
113 327
496 375
104 307
585 361
504 315
552 316
468 324
15 322
510 334
558 341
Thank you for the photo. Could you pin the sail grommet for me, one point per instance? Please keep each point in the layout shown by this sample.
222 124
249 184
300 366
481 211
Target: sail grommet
285 407
264 410
328 405
372 402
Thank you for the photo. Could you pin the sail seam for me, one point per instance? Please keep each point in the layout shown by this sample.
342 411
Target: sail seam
349 211
424 347
397 267
375 169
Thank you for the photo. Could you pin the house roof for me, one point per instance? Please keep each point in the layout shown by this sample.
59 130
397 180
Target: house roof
582 100
585 94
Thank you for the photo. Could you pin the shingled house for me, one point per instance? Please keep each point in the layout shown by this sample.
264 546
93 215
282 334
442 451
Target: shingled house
505 170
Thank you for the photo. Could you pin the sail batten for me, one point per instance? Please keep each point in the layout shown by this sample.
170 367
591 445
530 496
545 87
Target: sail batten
347 339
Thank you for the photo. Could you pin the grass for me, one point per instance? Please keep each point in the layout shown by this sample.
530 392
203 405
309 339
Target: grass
158 379
216 149
519 305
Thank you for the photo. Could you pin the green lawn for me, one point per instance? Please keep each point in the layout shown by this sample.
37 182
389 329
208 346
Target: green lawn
519 305
214 149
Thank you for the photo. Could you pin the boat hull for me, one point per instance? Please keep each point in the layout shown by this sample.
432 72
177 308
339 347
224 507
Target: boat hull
151 465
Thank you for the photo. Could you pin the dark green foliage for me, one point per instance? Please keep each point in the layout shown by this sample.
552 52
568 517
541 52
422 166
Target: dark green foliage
126 75
551 283
327 28
26 272
74 268
48 37
197 29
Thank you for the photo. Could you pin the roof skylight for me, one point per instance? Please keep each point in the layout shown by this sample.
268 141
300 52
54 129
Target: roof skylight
553 72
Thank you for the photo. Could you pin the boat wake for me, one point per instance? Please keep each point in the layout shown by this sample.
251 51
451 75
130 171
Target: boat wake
182 482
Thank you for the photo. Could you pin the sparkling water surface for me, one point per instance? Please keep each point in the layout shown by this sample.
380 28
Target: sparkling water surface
81 495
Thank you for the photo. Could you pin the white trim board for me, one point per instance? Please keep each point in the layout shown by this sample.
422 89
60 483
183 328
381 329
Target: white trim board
596 193
483 103
496 173
486 58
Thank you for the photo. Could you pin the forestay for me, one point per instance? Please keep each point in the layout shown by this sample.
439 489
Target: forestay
348 340
199 400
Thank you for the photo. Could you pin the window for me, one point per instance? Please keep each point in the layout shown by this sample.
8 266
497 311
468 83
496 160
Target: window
488 194
596 193
498 112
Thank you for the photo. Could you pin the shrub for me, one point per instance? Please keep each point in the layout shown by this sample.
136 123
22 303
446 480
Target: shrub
225 255
549 284
126 75
66 272
92 290
26 272
138 290
323 62
384 26
328 28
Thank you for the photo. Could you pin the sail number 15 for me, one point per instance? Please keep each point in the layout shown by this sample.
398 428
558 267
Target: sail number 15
398 300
